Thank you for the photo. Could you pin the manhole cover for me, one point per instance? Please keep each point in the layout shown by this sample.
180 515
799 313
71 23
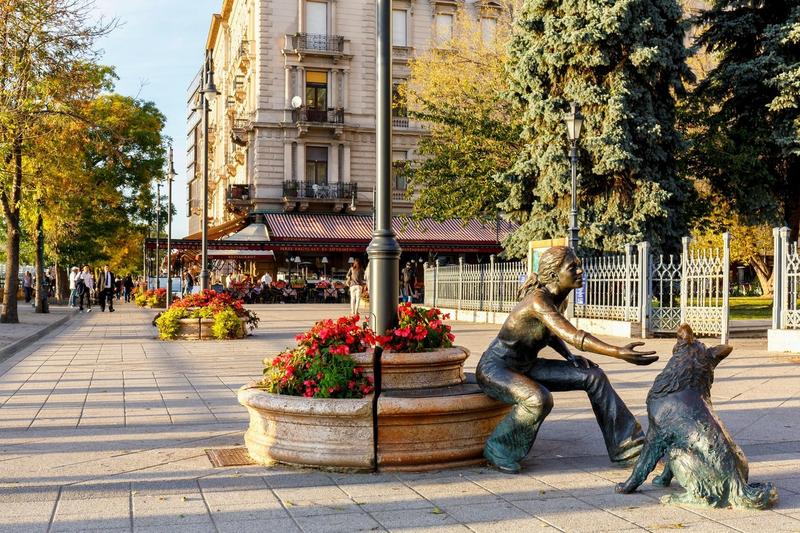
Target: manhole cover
230 457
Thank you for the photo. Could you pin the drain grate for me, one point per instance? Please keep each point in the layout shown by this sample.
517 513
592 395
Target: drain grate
230 457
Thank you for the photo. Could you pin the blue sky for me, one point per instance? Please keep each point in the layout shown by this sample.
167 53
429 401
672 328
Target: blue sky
156 51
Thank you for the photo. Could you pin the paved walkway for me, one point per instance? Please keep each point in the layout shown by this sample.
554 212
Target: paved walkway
31 325
103 427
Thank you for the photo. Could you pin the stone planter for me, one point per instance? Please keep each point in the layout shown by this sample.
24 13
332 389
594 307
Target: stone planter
437 368
200 328
429 429
317 432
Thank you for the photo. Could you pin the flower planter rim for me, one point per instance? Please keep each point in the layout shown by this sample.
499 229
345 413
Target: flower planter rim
251 396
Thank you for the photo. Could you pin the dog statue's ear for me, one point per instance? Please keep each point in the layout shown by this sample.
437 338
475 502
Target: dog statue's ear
685 333
721 351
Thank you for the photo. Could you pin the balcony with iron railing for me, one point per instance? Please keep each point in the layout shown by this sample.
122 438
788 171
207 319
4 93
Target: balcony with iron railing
330 115
238 193
295 190
314 42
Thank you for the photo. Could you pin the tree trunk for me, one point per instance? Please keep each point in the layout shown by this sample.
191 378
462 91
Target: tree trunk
42 290
62 283
13 233
764 274
10 315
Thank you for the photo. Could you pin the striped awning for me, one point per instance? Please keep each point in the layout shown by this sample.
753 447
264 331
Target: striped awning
412 234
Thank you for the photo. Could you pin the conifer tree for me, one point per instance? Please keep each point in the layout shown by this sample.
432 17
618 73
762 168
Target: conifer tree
744 117
624 62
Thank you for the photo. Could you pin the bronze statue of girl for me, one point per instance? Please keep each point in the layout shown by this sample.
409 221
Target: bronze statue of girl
511 371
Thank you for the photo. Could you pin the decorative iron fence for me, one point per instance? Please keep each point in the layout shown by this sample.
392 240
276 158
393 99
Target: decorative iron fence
786 313
610 287
705 288
664 298
482 287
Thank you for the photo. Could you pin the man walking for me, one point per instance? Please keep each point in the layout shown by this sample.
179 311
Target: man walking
128 287
107 284
84 285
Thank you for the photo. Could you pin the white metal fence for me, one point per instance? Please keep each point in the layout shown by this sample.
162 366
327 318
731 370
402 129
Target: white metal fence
786 311
611 287
705 288
658 292
481 287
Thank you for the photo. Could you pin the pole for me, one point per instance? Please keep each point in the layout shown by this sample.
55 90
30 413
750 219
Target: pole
207 73
158 233
384 250
573 213
573 219
170 174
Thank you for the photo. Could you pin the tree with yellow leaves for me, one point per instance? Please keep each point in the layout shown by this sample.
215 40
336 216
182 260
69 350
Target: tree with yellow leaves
456 88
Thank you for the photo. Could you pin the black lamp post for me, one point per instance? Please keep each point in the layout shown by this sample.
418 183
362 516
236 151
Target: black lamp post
574 121
383 250
170 178
208 91
158 233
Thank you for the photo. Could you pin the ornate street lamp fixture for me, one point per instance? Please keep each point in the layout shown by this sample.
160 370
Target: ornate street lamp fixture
574 122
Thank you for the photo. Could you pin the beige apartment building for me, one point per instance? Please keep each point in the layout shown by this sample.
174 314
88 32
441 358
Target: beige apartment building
292 130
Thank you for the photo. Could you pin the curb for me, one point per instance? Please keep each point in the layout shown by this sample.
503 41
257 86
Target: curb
7 352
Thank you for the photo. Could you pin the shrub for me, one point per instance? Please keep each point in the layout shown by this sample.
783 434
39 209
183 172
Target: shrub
320 366
168 322
226 324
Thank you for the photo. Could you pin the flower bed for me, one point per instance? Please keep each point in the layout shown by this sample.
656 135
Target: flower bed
320 365
207 314
154 298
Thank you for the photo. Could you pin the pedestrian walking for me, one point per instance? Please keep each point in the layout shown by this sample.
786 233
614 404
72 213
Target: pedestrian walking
73 291
27 286
356 281
106 288
409 280
84 285
188 283
127 286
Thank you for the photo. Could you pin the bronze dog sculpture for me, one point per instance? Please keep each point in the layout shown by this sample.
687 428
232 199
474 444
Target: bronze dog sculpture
697 448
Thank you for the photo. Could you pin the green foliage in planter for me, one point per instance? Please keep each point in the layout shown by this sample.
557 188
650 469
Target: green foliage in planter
169 322
226 324
141 300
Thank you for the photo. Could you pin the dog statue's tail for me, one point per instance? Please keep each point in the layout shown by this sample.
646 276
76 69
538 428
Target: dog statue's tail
754 496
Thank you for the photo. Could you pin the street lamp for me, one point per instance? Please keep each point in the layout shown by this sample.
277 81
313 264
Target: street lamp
158 232
170 178
574 121
208 91
324 262
383 250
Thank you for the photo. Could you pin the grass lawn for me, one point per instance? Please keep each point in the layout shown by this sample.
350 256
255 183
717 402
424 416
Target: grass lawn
750 307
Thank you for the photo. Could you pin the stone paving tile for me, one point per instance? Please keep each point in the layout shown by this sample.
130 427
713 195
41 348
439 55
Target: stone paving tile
430 517
765 521
335 523
281 525
572 514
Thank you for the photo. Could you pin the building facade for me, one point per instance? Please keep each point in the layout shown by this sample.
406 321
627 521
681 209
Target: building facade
293 126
